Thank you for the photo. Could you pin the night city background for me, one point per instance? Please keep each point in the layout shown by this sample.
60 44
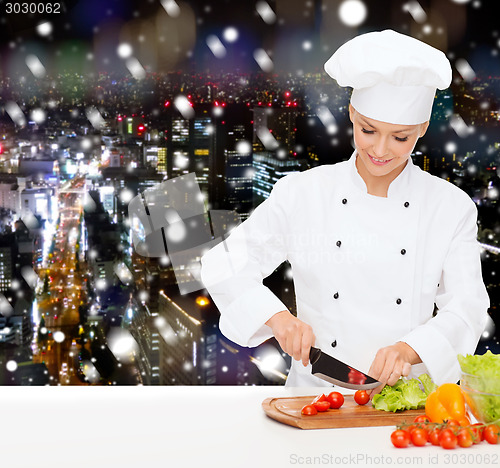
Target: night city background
108 98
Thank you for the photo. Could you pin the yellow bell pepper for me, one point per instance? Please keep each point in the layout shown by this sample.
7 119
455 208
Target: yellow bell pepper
445 403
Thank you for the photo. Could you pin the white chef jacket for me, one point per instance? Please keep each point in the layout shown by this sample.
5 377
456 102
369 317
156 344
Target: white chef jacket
367 270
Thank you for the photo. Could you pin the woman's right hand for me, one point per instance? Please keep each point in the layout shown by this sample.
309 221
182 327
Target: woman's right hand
294 336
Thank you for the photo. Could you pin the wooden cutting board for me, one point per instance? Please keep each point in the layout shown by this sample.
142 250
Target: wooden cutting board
288 411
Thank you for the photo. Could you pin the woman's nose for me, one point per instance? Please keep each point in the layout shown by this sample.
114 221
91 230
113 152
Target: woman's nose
380 147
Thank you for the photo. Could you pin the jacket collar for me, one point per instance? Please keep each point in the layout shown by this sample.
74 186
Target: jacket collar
399 187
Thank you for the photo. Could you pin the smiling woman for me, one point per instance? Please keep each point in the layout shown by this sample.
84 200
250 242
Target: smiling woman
398 241
383 149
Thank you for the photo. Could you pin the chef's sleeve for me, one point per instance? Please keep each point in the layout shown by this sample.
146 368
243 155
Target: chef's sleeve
233 270
462 303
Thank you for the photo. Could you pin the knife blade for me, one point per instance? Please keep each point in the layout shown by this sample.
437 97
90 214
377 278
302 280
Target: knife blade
339 373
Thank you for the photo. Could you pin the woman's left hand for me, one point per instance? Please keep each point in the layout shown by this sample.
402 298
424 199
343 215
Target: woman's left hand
391 363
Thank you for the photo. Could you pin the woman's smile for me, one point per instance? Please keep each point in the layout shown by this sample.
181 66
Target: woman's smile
379 162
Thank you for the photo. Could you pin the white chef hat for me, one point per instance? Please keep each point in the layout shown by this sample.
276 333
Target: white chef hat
394 77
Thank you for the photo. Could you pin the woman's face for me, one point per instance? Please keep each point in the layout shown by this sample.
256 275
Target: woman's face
383 148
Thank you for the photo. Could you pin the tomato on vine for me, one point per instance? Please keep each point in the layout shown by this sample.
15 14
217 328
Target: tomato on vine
447 439
400 438
491 434
419 437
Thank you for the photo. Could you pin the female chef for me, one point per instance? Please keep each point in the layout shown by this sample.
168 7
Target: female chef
375 244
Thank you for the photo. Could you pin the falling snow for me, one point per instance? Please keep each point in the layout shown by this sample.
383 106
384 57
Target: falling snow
352 12
327 119
465 70
243 147
35 65
11 365
29 276
6 308
183 105
267 139
135 68
58 336
38 116
265 12
124 50
230 34
171 7
216 46
263 60
95 117
450 147
416 11
15 113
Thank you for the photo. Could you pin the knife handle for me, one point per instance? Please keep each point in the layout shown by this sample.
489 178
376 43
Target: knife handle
314 354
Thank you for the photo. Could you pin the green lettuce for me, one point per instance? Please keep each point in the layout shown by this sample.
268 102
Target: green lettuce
484 377
429 385
404 394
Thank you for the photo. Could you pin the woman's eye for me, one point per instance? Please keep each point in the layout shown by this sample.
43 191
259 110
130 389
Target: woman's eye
364 130
401 139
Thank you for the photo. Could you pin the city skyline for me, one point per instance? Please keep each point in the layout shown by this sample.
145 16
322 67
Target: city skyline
86 125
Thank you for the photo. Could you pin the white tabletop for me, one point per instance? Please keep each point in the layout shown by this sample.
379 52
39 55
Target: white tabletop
191 427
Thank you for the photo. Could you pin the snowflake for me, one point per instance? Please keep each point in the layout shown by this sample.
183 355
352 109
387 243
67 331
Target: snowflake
230 34
307 45
352 12
184 106
124 50
38 116
171 7
216 46
450 147
263 60
416 11
35 65
135 68
243 147
11 365
465 70
265 12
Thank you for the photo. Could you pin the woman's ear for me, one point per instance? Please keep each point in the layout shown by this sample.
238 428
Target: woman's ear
352 111
423 129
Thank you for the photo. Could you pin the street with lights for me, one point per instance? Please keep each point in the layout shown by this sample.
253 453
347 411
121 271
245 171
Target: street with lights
63 292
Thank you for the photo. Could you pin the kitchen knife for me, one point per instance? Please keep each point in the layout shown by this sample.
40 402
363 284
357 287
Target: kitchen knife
338 373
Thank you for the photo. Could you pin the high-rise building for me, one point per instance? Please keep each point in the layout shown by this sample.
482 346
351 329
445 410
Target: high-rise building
281 122
5 267
146 335
268 170
202 151
179 147
189 345
238 170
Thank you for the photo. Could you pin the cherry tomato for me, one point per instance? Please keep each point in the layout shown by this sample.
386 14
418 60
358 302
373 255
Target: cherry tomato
452 422
322 405
361 397
336 400
309 410
491 434
434 436
477 431
422 419
447 439
400 438
464 437
321 397
411 427
419 437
